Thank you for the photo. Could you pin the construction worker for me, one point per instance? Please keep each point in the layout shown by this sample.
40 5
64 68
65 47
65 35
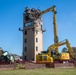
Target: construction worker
11 59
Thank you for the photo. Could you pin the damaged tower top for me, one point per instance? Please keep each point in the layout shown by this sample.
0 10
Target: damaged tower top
32 16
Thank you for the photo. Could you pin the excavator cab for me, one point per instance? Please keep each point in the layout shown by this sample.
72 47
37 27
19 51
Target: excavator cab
43 58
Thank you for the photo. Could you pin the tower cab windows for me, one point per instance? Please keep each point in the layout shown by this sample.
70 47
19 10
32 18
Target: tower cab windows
29 24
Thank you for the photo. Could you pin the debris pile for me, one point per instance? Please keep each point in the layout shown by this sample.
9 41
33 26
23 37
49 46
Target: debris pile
31 14
32 17
5 57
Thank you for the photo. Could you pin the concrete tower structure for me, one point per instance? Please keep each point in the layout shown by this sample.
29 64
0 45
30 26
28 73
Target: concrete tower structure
32 34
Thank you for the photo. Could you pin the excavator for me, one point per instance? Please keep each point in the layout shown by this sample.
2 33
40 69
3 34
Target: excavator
51 59
63 56
52 54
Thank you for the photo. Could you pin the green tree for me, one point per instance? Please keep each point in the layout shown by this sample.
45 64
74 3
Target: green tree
74 48
65 50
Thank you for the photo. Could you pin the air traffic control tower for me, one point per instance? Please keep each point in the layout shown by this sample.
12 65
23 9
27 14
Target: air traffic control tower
32 34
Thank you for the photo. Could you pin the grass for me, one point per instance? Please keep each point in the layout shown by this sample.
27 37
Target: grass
45 71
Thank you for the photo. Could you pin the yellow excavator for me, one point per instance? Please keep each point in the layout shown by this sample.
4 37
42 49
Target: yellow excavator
51 56
52 53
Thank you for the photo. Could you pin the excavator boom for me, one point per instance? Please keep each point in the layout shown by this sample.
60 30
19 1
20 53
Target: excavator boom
53 9
47 10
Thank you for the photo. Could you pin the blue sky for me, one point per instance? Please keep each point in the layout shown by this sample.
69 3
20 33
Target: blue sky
11 18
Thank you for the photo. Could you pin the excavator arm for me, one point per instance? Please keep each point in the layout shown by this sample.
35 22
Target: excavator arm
66 42
54 46
70 50
53 9
47 10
